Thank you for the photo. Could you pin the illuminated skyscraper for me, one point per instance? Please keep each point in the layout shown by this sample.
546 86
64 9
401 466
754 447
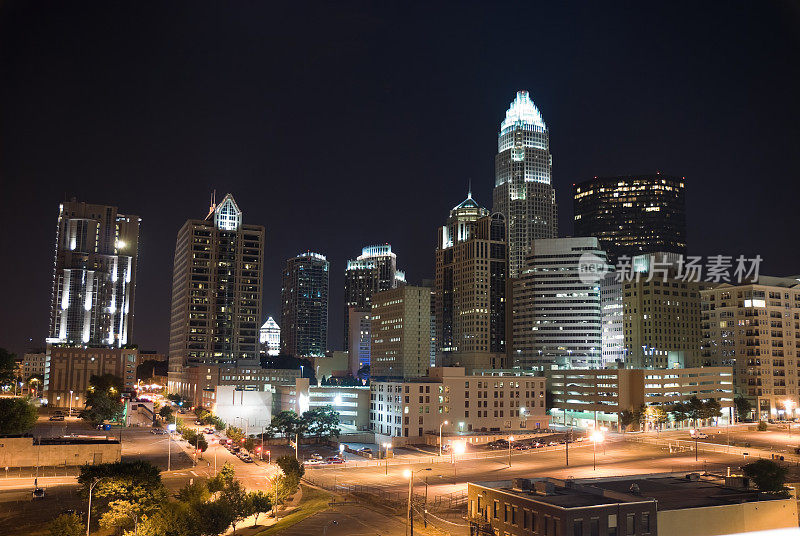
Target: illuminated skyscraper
523 192
372 271
304 312
217 286
470 288
270 337
94 276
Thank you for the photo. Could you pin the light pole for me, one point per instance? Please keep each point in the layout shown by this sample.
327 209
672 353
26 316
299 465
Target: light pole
70 405
409 474
789 405
89 511
510 440
694 434
440 436
386 446
597 437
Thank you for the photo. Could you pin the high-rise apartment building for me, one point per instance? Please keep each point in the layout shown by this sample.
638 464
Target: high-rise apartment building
270 337
94 276
661 315
523 192
401 332
304 298
373 271
470 288
216 292
557 305
755 327
632 215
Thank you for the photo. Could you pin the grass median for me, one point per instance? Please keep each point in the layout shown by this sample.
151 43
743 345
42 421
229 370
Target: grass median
313 501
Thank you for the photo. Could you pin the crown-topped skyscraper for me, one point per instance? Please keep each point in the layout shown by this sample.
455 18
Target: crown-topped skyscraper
523 192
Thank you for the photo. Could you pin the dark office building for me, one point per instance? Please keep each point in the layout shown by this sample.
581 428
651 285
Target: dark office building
304 299
631 215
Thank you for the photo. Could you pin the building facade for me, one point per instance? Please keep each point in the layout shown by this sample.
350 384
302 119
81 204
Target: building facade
523 191
557 319
200 382
470 288
400 332
407 411
304 299
632 215
373 271
33 363
270 337
661 315
216 291
642 505
590 398
94 275
71 369
360 340
755 328
611 306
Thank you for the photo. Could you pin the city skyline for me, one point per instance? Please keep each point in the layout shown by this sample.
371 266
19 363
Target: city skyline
682 128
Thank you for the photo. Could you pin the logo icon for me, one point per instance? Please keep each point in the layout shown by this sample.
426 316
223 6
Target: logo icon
591 268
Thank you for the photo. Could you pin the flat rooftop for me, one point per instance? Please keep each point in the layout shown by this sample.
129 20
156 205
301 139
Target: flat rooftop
671 492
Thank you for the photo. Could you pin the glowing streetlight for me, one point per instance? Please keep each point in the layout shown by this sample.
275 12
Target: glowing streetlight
443 423
510 440
387 445
597 437
459 447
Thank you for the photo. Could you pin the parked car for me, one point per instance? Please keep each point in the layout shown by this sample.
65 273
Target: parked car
334 460
38 493
317 457
699 435
365 450
552 444
56 417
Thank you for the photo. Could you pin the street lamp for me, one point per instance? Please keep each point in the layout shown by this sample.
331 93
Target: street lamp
70 405
695 433
386 447
409 474
597 437
458 448
510 440
440 436
789 405
89 511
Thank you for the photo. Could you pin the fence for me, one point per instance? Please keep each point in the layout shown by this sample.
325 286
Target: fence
501 454
682 445
393 498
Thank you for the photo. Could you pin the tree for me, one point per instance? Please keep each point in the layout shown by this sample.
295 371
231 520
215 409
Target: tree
66 525
214 517
234 434
8 367
225 475
260 503
103 398
174 518
656 416
17 416
165 413
124 493
679 412
194 493
288 424
34 382
322 422
249 444
237 500
767 475
293 471
711 409
743 407
694 409
626 418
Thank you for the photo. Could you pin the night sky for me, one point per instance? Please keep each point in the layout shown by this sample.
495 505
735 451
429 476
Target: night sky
341 125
